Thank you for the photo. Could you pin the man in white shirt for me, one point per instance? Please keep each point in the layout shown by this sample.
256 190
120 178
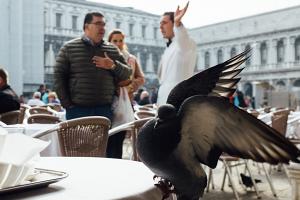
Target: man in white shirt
179 58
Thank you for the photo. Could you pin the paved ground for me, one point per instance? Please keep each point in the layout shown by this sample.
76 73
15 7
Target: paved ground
279 179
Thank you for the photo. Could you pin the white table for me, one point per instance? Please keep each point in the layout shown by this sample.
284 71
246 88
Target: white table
29 129
94 178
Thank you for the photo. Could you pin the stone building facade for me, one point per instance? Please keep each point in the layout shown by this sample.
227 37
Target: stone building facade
275 41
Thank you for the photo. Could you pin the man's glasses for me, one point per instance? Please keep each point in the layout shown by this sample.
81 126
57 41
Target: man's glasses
115 41
98 23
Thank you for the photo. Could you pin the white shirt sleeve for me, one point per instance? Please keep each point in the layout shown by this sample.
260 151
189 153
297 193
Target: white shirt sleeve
182 37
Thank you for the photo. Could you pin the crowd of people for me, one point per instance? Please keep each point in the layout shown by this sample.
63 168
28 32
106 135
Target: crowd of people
90 70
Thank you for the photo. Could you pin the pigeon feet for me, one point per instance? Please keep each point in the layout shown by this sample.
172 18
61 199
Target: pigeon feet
165 186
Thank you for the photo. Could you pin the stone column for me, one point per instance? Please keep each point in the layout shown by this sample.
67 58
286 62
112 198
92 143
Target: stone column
290 49
294 176
149 67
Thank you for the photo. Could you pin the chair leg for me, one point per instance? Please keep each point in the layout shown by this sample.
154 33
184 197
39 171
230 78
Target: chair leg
210 180
227 169
269 180
224 178
252 179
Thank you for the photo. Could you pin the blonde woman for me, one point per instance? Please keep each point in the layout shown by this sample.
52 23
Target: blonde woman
137 78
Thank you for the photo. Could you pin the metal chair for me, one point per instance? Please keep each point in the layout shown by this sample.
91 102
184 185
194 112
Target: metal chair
43 119
82 137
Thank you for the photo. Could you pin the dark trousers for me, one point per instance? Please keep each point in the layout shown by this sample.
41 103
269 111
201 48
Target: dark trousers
115 142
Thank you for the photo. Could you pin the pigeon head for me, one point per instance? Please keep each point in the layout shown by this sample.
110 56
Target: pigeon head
166 112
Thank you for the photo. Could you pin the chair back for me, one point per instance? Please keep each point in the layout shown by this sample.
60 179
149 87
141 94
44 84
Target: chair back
84 137
143 114
279 123
138 124
11 117
43 119
39 110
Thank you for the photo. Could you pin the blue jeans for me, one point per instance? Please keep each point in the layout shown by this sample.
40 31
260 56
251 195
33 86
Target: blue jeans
115 142
80 111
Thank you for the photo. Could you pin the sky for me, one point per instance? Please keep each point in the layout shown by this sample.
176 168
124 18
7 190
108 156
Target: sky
205 12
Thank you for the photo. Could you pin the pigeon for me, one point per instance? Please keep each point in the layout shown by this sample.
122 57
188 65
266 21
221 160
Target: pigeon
198 123
246 180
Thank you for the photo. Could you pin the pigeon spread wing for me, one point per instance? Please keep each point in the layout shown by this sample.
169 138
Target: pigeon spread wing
219 79
212 125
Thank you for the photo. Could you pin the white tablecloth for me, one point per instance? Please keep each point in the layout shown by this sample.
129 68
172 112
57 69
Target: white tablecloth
29 129
94 178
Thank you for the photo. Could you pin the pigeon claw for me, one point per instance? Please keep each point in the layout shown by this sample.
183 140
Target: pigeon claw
165 186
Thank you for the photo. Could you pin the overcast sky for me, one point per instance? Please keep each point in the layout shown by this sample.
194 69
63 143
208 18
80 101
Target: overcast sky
204 12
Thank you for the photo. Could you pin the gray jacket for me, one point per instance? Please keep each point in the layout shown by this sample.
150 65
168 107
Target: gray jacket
78 81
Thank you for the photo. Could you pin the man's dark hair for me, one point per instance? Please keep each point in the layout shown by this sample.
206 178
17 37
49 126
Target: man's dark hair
3 74
89 17
170 14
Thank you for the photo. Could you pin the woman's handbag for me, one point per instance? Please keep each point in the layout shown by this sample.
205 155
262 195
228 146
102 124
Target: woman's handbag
122 109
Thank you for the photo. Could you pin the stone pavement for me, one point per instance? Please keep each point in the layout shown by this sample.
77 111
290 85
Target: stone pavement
279 178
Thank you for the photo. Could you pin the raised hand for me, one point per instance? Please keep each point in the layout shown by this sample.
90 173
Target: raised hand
103 62
179 14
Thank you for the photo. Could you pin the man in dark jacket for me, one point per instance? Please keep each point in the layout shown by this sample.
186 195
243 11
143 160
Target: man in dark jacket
86 72
9 100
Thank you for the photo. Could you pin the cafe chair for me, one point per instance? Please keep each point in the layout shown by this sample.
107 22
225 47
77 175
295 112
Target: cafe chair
38 110
43 119
81 137
11 117
134 128
143 114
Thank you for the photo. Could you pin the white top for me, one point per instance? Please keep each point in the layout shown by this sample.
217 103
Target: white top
35 102
177 63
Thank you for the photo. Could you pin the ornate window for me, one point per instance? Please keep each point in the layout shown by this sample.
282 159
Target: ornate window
232 52
118 24
131 29
74 22
280 51
58 17
263 54
206 59
248 61
143 31
155 32
297 49
220 56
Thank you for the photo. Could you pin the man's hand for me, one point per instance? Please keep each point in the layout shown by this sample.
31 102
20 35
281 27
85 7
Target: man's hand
103 62
179 14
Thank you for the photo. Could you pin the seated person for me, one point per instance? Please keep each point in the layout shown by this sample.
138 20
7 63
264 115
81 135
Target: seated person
4 87
52 98
36 100
8 103
144 99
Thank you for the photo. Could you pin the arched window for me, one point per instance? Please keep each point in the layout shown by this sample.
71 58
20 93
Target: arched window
232 52
248 61
220 56
263 54
297 49
297 83
280 51
206 59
